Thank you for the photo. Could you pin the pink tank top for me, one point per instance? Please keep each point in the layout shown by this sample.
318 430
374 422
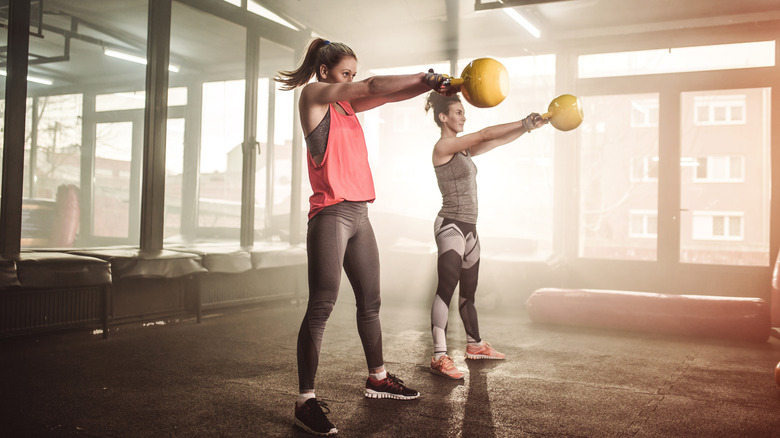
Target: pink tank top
344 174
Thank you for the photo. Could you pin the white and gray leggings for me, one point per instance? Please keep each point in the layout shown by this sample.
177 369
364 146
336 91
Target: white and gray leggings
458 262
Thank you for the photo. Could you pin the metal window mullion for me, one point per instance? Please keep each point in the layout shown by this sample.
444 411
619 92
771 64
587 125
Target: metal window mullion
250 138
270 148
191 171
669 196
87 171
33 161
136 165
15 113
155 123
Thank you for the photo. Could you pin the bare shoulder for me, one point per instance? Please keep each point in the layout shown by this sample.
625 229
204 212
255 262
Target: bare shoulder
311 90
442 152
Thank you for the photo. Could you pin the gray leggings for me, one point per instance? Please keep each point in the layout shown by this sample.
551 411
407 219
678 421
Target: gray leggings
340 234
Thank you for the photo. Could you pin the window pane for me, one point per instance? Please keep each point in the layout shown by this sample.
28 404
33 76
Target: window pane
652 225
209 163
652 168
136 99
718 226
678 59
52 158
255 7
719 167
737 112
174 169
273 189
221 159
702 114
725 200
515 181
735 226
113 165
67 130
719 114
735 168
609 144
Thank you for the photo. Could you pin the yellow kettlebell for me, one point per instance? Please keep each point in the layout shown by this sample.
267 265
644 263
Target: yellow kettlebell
564 112
484 82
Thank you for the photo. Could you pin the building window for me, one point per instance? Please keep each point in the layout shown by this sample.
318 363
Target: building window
644 169
720 168
709 225
644 223
644 113
720 110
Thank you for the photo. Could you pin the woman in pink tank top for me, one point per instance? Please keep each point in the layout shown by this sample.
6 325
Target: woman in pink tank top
339 233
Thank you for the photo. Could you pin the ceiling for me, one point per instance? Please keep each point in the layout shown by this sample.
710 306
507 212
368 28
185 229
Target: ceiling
425 29
382 33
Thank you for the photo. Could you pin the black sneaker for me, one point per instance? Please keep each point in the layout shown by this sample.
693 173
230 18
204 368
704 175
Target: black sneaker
389 387
311 418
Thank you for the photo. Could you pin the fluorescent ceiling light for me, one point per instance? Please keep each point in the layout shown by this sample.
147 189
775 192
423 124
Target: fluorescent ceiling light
523 22
133 58
35 79
265 13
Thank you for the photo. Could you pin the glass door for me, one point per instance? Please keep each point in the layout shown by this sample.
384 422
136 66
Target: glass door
619 177
725 177
117 182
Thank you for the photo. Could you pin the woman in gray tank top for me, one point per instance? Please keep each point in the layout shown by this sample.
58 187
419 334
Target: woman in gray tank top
455 225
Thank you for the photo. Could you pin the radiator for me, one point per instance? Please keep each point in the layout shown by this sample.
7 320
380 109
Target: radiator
224 290
26 310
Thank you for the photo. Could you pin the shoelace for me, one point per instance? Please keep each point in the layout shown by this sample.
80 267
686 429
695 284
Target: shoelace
323 406
394 381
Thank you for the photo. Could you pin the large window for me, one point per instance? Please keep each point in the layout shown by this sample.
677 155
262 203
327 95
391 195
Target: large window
221 158
725 191
83 146
52 165
85 133
273 180
117 180
723 158
619 177
678 59
515 181
204 162
174 172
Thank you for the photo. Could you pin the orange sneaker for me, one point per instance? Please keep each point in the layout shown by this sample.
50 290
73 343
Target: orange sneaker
445 367
486 351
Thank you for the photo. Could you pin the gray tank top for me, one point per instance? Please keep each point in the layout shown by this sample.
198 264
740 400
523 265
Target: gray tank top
317 140
457 180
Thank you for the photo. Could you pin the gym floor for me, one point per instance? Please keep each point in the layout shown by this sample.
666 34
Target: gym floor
234 375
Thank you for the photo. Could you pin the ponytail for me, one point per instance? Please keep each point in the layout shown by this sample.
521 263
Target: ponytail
319 52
